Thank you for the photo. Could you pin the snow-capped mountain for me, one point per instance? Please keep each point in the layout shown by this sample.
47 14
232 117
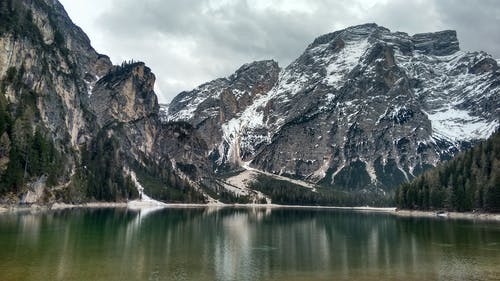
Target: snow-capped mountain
361 108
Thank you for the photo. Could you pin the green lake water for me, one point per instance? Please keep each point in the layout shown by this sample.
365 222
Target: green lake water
244 244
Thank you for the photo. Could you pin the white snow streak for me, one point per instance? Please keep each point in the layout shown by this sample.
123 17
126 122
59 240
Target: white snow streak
448 89
343 62
144 200
458 125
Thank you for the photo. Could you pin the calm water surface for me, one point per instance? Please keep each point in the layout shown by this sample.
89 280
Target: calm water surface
244 244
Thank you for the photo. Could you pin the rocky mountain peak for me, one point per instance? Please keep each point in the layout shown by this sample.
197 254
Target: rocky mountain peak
234 93
253 78
256 68
442 43
365 36
352 33
363 106
125 94
92 120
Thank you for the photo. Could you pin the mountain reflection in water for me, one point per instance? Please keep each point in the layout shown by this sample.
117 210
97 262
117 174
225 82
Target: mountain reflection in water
243 244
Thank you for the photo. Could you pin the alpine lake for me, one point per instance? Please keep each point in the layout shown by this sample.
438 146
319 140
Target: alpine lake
230 243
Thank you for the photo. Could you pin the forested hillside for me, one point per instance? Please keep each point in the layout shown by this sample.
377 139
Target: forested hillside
471 181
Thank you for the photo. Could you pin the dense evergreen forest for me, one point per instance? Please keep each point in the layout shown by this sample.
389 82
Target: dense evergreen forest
471 181
287 193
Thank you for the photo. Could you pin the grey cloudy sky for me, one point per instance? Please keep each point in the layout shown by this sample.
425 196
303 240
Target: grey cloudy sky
189 42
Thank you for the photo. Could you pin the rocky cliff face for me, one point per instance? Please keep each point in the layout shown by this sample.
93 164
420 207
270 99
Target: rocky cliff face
47 66
100 122
125 93
53 59
362 108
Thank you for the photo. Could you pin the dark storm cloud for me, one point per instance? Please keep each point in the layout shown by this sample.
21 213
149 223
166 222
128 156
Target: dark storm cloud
189 42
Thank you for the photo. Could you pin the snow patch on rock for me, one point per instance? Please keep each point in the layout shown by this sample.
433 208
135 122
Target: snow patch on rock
458 125
451 93
342 63
192 102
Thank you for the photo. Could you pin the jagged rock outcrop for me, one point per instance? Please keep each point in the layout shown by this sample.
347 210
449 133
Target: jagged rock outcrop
441 43
212 104
124 103
362 108
126 93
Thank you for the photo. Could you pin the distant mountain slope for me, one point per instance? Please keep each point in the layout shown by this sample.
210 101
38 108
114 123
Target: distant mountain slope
362 108
470 181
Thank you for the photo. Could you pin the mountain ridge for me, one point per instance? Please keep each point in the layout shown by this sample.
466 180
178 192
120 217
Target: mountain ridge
360 111
327 73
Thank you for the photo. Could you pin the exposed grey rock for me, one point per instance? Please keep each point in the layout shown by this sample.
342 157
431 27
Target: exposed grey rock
441 43
126 94
361 108
35 192
212 104
79 94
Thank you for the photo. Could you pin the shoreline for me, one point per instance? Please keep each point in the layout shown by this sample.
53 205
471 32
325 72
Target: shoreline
137 205
448 215
144 205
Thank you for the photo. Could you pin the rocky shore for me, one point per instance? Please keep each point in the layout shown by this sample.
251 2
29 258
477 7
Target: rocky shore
449 215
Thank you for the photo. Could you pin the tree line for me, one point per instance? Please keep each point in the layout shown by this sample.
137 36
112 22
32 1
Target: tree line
287 193
470 181
162 183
